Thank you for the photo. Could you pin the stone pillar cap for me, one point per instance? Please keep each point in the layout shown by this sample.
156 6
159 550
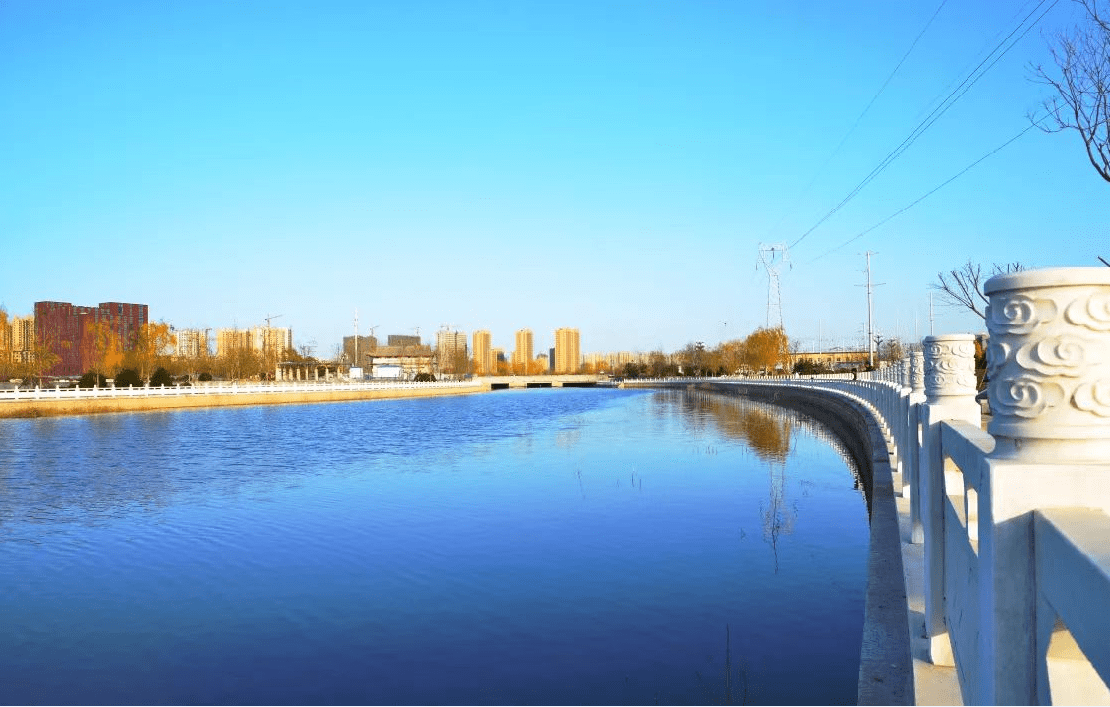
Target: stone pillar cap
1049 277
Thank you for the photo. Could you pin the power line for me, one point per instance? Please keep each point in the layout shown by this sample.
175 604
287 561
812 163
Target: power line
866 108
926 195
970 80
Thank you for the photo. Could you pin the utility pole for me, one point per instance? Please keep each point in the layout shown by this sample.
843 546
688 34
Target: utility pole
870 320
355 362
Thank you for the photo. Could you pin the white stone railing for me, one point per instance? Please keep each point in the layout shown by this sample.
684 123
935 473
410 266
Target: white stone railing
219 388
1013 520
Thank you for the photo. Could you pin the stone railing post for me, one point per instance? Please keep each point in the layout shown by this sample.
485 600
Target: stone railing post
913 455
949 395
1049 391
902 427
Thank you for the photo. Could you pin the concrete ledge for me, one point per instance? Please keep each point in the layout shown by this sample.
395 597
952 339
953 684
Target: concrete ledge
92 406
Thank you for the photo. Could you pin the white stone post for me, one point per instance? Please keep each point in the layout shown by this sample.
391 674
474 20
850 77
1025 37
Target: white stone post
1049 390
949 395
902 425
913 455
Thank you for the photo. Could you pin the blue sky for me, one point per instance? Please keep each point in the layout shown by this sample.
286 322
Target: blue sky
612 166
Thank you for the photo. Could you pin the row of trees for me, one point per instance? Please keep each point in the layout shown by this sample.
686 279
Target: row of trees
107 354
764 350
151 351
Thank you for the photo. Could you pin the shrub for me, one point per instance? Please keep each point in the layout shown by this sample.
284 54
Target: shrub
91 379
128 376
161 377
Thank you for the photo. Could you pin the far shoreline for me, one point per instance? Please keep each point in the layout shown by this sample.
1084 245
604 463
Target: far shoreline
24 409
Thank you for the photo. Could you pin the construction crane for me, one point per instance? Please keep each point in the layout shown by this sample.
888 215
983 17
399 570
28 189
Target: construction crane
266 336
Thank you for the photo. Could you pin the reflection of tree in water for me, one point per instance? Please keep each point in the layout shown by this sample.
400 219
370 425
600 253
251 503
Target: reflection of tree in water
769 431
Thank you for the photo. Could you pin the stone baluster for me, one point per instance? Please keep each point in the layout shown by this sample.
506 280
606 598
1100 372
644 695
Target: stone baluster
900 425
913 454
949 395
1049 392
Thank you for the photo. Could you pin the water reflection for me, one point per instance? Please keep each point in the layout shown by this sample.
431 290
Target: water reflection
768 431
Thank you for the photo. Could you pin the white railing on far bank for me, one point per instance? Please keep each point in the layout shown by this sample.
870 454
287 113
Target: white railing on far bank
218 388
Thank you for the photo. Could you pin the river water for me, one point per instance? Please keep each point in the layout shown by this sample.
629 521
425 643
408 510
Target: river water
569 546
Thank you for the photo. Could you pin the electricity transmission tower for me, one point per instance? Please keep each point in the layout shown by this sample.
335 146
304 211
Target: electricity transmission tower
772 257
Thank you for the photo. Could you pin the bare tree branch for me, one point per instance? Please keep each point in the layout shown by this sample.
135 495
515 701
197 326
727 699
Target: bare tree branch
1082 88
964 285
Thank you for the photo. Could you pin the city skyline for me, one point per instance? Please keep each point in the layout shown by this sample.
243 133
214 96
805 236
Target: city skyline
615 165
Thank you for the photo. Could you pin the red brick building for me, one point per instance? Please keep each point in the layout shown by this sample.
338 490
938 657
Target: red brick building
67 330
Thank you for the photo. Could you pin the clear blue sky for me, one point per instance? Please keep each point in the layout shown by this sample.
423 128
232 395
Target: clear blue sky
611 166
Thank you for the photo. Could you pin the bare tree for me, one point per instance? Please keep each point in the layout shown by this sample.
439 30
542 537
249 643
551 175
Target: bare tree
1082 84
964 285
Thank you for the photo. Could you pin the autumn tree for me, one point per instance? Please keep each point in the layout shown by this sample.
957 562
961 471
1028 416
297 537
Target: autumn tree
731 355
460 362
101 346
1081 82
658 366
239 363
42 358
694 358
963 286
5 345
152 343
767 349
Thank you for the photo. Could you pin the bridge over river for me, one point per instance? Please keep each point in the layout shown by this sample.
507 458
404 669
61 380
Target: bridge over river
989 568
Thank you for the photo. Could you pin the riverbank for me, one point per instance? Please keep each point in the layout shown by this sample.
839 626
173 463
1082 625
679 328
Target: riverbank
93 406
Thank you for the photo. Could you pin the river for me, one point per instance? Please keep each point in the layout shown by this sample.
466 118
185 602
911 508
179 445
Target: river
567 546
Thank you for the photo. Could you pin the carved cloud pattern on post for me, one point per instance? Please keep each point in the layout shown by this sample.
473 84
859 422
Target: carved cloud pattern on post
949 366
1049 374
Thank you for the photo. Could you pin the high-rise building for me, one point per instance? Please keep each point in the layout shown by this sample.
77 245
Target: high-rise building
69 331
271 340
230 340
403 340
567 355
522 354
483 353
5 339
451 349
191 343
22 339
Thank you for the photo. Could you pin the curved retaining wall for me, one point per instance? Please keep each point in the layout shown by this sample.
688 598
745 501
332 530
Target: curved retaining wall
886 671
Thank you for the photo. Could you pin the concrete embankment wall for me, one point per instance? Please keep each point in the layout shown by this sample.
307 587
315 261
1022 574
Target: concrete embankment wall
89 406
886 670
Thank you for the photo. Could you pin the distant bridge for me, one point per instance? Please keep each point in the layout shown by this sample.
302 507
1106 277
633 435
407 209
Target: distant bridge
567 380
